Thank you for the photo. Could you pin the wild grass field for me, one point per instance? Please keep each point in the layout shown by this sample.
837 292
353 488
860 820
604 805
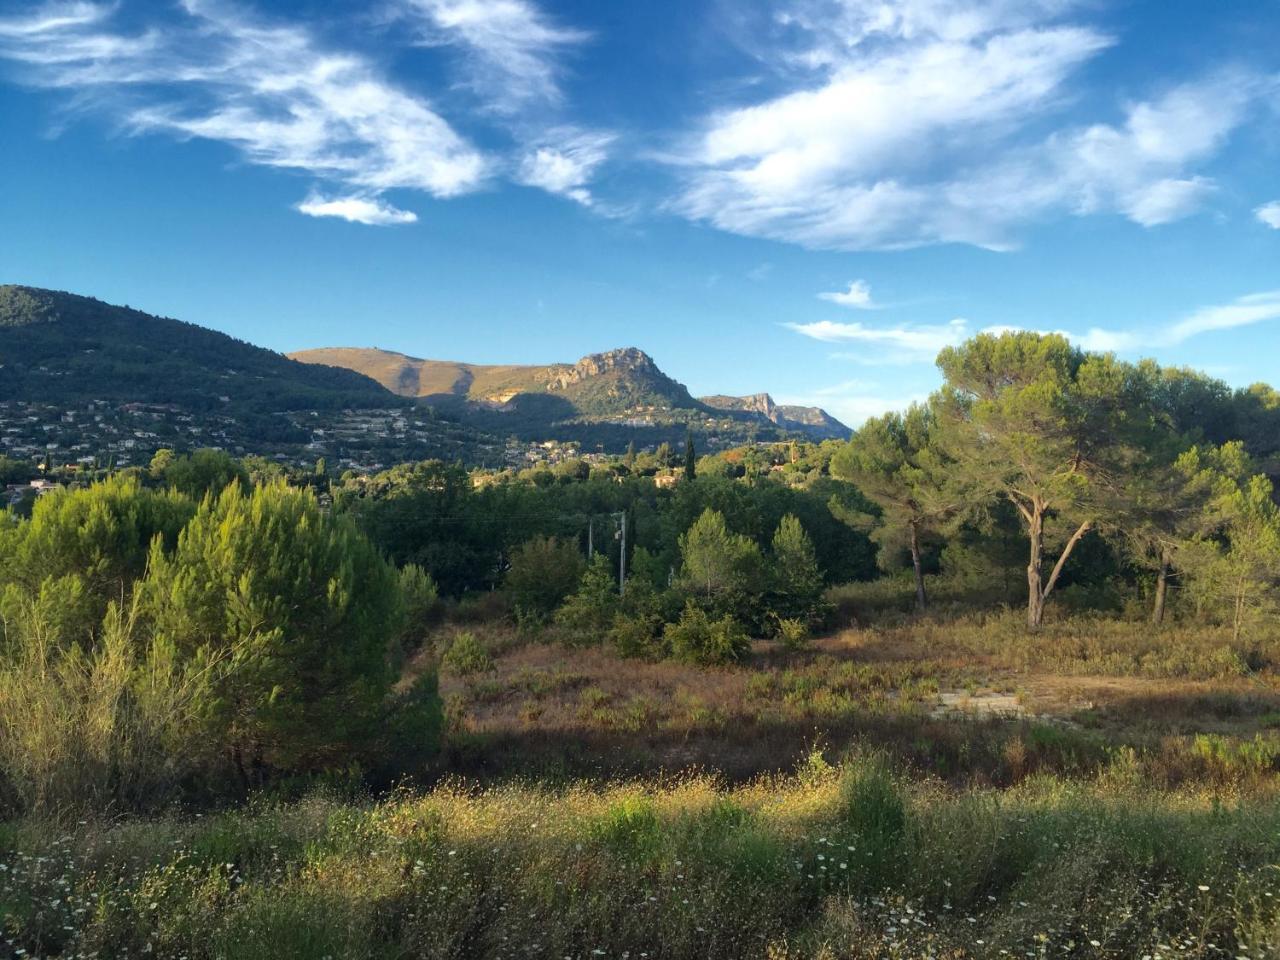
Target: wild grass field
946 786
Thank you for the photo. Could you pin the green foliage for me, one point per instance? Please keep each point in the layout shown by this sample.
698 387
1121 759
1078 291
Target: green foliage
589 611
421 600
306 609
637 635
1032 419
100 535
466 655
793 634
796 581
1235 565
198 473
544 571
122 724
696 638
899 462
15 471
718 567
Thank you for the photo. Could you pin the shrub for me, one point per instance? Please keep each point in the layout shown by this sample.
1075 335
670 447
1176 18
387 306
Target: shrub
466 655
696 638
121 724
308 610
543 572
636 636
588 612
421 600
793 634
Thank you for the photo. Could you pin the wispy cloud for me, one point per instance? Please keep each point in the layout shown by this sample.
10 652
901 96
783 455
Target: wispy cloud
898 107
564 162
270 91
904 343
858 296
366 210
513 47
1269 213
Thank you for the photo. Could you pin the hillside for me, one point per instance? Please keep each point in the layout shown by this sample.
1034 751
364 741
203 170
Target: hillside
813 420
62 348
615 383
618 384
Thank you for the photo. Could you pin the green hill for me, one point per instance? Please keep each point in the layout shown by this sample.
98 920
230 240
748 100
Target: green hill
63 348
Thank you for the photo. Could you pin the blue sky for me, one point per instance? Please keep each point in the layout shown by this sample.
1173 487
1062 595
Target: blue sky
809 197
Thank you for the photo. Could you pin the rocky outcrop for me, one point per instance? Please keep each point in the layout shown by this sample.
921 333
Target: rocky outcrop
625 359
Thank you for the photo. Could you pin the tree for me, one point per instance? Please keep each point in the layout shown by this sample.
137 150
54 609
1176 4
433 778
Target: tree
1237 562
897 462
590 610
543 572
629 458
722 570
100 535
198 473
1039 422
307 609
797 581
690 456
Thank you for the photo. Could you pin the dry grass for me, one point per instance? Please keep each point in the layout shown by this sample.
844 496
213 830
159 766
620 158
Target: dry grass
1060 700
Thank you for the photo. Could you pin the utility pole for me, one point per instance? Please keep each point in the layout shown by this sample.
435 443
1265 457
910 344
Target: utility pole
622 554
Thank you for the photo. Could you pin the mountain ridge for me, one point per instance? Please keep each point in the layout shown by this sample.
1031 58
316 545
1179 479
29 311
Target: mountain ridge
615 383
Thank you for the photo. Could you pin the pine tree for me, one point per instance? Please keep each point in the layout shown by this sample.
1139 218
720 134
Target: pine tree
797 578
897 462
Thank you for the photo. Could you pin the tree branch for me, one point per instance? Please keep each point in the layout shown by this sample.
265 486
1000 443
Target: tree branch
1062 560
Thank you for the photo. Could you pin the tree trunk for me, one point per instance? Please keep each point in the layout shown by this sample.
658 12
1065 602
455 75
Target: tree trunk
1238 623
1162 587
921 601
1035 576
1038 589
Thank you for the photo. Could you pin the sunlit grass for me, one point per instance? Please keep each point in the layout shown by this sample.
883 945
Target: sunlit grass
845 861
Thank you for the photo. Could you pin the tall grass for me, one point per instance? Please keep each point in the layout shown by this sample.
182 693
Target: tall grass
851 861
112 725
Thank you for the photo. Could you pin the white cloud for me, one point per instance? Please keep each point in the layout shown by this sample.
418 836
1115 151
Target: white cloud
887 139
52 16
270 91
366 210
512 45
858 296
1269 213
1242 312
564 163
899 344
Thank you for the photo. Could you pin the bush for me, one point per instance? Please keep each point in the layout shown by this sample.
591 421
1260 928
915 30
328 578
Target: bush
793 634
543 572
636 636
307 610
695 638
466 655
120 725
588 613
421 600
